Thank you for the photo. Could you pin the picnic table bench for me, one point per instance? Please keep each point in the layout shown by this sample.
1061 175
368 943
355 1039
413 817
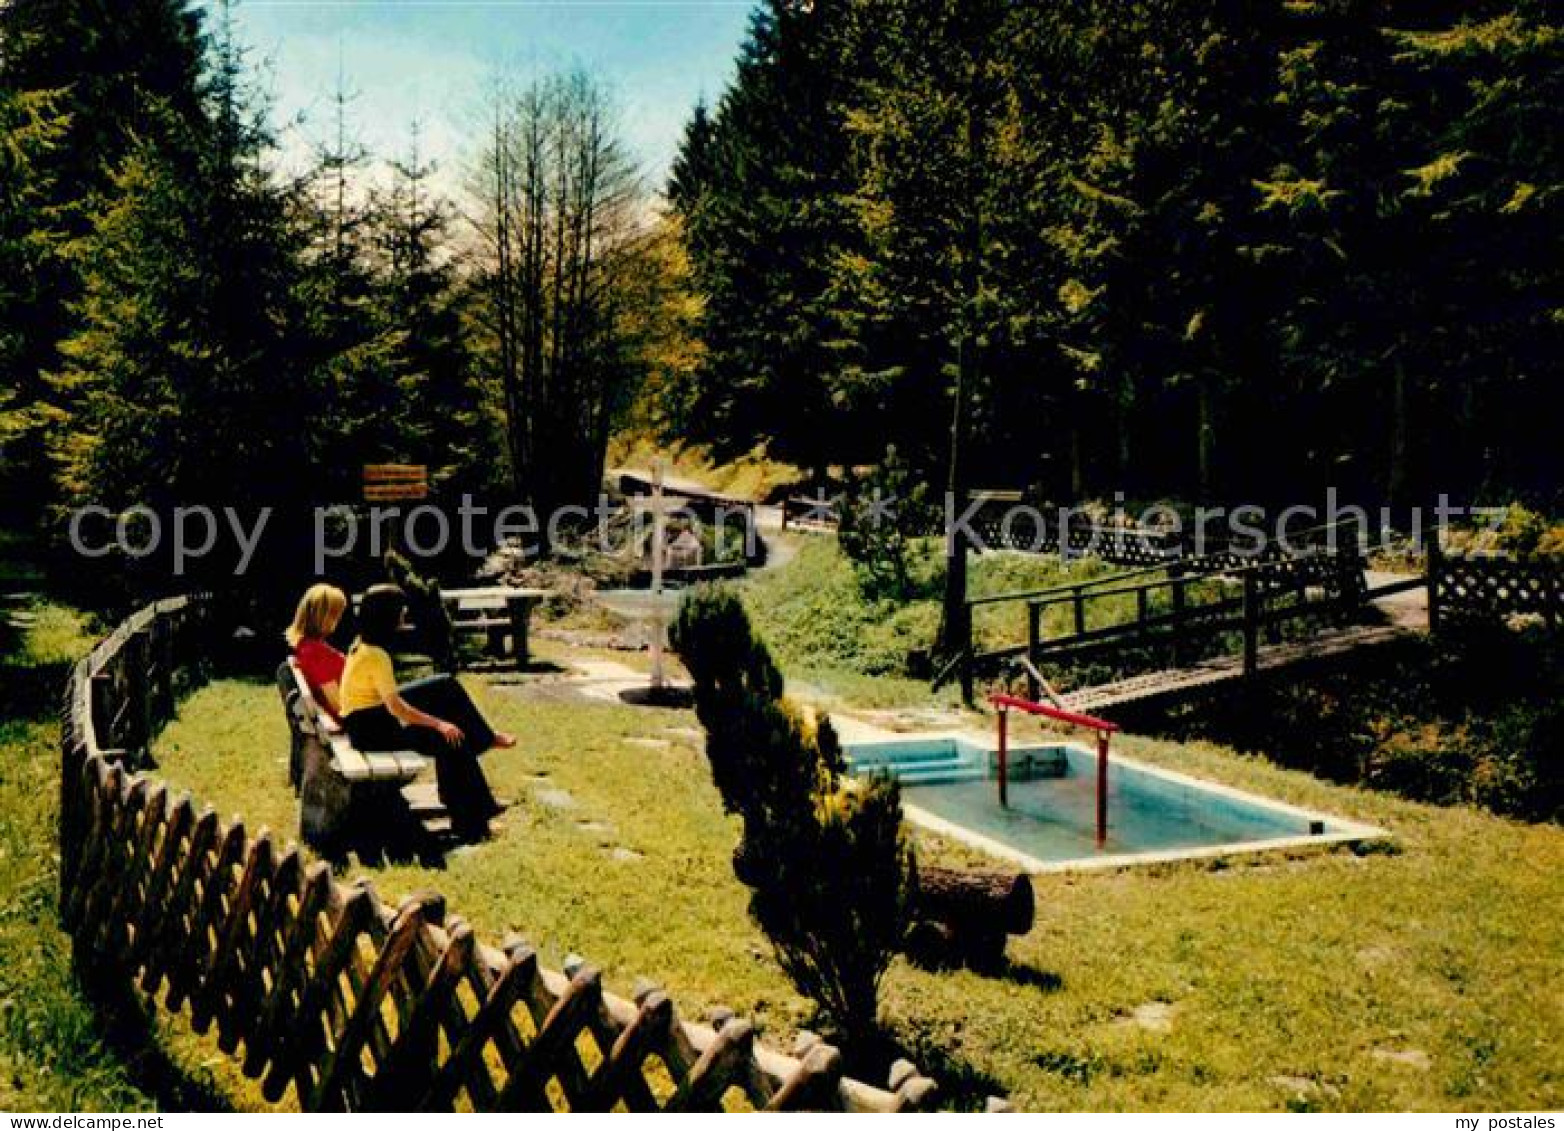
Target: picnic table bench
333 778
496 612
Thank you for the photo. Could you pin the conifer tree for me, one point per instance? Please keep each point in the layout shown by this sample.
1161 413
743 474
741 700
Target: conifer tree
29 247
440 401
109 71
350 332
759 194
186 376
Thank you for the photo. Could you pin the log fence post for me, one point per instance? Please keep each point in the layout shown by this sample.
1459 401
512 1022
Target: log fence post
1251 622
1034 641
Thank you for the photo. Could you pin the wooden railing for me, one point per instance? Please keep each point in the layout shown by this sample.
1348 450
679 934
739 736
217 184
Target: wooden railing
811 513
1172 604
320 987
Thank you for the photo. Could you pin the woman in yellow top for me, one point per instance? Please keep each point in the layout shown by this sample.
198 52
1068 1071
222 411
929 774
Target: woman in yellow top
434 716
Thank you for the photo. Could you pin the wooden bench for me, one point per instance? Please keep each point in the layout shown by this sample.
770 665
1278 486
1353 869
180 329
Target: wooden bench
332 777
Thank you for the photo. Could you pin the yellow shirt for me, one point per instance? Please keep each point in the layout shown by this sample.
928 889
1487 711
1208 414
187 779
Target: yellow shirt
367 678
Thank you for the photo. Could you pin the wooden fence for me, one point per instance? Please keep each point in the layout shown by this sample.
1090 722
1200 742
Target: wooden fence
1003 520
320 987
1466 589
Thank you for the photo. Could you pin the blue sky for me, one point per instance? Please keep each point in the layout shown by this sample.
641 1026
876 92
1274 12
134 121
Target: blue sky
430 61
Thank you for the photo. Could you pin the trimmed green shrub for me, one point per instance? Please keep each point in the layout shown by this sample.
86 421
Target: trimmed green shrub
830 874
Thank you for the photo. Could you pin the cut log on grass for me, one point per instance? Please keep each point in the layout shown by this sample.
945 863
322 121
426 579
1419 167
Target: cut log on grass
986 903
961 918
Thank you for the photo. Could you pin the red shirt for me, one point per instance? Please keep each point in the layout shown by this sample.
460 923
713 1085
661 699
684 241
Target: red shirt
320 663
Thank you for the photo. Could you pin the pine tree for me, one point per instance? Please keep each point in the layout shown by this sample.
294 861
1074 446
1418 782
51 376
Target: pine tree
351 334
186 378
442 419
29 247
693 171
762 233
112 71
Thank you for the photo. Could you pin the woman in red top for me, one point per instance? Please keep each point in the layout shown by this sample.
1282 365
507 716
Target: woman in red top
317 617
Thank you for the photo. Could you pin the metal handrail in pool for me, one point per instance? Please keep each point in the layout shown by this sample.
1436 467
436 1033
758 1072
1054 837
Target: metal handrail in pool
1007 703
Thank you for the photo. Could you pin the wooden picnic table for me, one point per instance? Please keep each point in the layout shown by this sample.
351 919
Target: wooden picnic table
496 610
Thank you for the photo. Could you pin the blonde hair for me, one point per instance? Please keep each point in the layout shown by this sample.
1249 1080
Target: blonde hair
319 610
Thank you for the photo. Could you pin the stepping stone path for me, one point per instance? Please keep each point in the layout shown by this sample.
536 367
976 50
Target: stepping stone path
624 855
1153 1016
650 743
556 798
1411 1058
1306 1088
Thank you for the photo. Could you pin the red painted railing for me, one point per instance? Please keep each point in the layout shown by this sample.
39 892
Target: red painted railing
1004 704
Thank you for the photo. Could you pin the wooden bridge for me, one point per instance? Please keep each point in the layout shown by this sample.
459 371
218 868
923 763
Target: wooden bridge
1220 618
1173 683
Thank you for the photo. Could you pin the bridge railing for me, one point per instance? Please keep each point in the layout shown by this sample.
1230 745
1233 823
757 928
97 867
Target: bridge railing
320 987
1175 604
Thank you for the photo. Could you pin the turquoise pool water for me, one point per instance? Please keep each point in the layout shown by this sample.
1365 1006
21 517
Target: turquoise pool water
1051 817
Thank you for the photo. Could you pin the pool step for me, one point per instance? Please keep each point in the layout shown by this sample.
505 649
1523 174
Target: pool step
939 766
898 754
942 776
935 764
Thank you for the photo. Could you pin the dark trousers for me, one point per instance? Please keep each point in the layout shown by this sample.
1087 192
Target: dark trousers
463 788
445 698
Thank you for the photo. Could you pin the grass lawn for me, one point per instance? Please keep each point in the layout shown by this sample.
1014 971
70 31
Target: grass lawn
1426 977
56 1054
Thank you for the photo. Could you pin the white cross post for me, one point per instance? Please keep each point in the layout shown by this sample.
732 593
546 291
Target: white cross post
659 679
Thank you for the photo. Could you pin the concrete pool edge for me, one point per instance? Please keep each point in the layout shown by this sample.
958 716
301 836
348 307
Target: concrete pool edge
1340 830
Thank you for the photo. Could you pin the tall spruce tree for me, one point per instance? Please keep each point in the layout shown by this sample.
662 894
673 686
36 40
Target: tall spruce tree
1240 248
29 247
351 333
111 68
440 411
760 196
186 374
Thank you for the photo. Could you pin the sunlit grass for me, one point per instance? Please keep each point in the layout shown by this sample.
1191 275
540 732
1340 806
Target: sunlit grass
57 634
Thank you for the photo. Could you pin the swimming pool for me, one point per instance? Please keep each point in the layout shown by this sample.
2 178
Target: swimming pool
1050 824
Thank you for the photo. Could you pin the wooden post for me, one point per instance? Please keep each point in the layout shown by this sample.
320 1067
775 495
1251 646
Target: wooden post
161 657
138 658
1176 572
102 701
1434 554
1142 605
520 611
1102 788
1034 640
1078 597
659 528
1251 622
1004 758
